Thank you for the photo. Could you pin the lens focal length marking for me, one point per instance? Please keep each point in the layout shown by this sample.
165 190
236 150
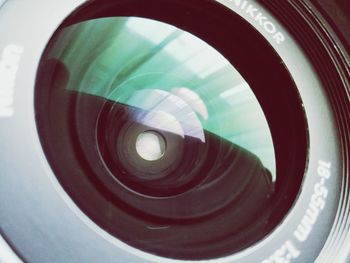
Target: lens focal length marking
317 203
289 251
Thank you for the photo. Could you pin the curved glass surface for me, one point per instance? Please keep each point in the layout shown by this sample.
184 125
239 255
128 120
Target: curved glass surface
186 86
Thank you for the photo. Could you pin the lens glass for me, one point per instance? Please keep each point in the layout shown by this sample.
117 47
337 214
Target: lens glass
160 140
183 85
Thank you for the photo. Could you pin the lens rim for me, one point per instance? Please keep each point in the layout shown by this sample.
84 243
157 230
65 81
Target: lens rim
331 61
290 139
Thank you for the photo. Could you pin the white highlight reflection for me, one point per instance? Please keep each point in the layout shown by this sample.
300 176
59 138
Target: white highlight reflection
167 112
155 32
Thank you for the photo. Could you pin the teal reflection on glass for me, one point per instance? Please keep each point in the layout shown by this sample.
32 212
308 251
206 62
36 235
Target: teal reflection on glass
157 67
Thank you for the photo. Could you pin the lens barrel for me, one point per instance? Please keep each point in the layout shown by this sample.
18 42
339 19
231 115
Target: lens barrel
171 131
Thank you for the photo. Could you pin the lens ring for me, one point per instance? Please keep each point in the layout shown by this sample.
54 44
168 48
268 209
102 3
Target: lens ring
210 168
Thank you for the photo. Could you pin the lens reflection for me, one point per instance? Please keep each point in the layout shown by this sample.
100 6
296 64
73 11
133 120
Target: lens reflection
178 78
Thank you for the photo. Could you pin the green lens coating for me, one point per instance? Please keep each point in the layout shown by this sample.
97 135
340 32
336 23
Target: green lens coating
160 68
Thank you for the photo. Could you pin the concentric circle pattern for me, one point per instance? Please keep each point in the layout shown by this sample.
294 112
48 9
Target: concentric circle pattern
330 59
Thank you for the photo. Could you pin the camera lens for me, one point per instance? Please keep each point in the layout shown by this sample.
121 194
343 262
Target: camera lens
160 139
173 131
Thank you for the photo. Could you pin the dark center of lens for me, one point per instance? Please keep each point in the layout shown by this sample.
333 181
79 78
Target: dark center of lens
150 145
